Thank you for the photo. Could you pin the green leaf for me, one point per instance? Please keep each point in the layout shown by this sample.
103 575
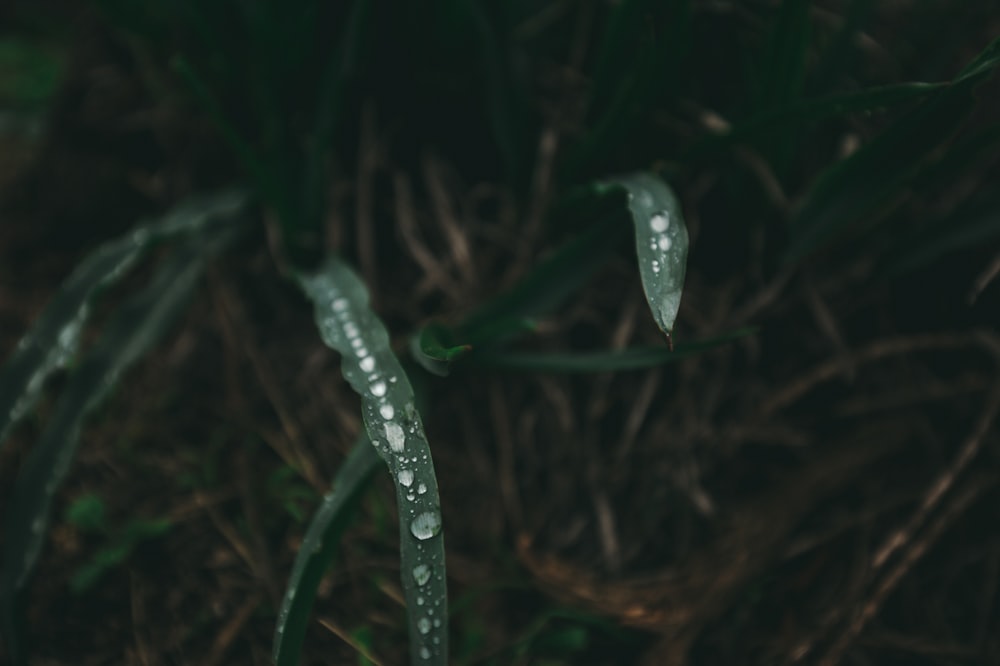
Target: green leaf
803 112
604 361
856 187
136 326
116 552
87 514
347 325
318 550
661 242
51 343
30 73
783 67
974 224
432 349
657 34
547 286
514 312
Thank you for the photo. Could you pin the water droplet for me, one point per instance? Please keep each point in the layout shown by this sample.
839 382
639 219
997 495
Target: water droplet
426 525
358 345
378 390
393 432
425 653
664 243
406 477
421 574
367 364
437 622
659 222
339 304
422 488
656 266
424 625
387 412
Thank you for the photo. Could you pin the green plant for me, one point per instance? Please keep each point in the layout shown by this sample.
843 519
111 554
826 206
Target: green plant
87 514
283 142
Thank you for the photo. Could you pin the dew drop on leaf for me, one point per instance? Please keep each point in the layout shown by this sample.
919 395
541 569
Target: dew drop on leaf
426 525
421 574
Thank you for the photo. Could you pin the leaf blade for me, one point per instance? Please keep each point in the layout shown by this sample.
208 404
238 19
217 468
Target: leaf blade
348 326
135 328
318 550
661 242
52 340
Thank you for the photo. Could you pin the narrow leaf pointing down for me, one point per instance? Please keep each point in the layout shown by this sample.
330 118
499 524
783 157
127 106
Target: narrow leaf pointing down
661 242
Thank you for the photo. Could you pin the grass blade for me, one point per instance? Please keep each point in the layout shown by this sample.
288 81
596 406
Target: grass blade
804 112
661 242
347 325
549 284
52 341
857 186
639 358
135 328
318 549
975 224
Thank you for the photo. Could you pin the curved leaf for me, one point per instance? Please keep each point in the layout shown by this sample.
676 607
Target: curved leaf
639 358
52 341
135 328
347 325
318 549
661 242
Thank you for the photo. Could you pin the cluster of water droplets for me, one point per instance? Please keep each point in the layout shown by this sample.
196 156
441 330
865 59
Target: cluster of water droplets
396 433
661 243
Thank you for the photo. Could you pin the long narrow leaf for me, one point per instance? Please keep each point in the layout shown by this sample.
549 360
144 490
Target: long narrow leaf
661 242
318 549
135 328
857 186
347 325
52 341
611 361
548 285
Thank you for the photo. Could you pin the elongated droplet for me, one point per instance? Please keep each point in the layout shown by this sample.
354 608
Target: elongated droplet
397 439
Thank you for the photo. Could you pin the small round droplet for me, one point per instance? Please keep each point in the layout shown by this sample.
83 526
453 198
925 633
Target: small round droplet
659 222
367 364
422 488
378 389
406 477
387 412
426 525
425 653
340 304
424 625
